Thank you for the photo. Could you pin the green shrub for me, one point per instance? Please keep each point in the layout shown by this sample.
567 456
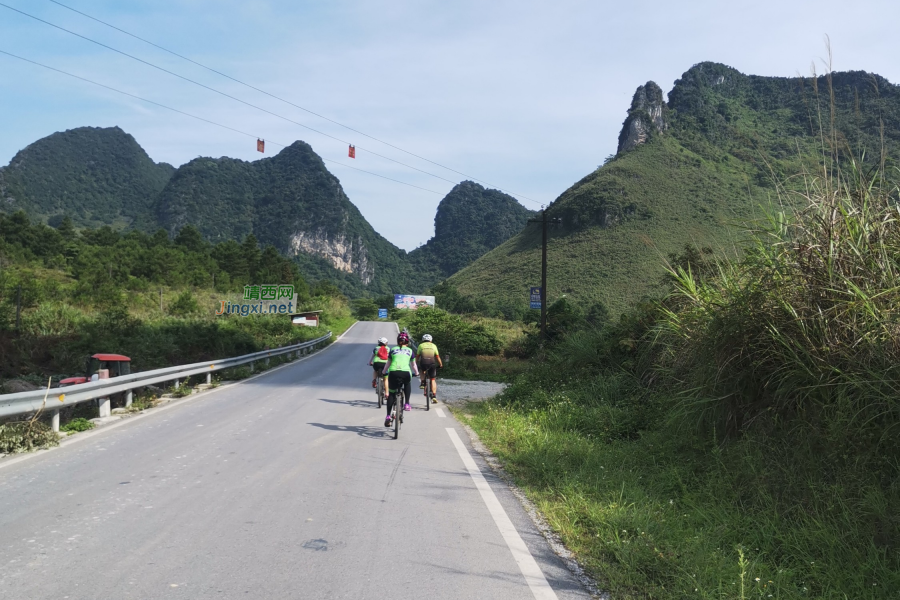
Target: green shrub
454 334
76 425
184 305
26 436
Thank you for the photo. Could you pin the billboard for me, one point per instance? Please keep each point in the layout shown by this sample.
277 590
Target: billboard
412 302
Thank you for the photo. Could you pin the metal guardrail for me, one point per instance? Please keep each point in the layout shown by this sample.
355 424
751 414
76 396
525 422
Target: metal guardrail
28 402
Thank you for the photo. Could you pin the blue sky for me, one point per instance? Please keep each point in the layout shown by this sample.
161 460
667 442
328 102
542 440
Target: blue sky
528 96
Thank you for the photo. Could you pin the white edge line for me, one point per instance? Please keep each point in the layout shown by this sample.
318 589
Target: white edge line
534 577
68 441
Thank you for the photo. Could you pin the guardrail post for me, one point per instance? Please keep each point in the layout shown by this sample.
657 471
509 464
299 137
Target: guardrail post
251 366
209 379
177 384
105 410
54 422
129 398
267 362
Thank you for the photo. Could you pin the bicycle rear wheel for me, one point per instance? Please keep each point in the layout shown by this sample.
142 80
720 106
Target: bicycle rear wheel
398 408
379 390
427 393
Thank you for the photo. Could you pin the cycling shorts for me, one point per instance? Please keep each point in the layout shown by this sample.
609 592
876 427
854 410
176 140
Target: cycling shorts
428 369
398 380
378 367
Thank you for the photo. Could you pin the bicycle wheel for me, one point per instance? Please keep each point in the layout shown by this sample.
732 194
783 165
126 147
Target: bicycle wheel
398 408
379 390
427 393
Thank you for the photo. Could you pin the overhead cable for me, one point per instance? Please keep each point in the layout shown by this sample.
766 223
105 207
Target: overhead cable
221 93
280 99
181 112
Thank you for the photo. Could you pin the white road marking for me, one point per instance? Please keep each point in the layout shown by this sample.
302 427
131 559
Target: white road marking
440 413
529 567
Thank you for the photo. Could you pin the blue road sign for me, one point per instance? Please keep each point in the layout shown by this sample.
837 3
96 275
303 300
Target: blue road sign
382 313
536 298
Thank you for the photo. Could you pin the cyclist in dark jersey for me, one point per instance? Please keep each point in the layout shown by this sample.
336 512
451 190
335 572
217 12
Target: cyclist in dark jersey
399 368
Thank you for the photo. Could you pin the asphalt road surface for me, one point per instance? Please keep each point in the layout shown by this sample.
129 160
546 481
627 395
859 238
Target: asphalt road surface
284 486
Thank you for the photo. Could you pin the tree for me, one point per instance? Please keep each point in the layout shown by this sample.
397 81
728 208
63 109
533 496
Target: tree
252 256
190 239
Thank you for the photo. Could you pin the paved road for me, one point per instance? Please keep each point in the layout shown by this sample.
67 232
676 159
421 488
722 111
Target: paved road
284 486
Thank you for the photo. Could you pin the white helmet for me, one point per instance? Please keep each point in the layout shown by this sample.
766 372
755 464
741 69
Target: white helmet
426 338
382 341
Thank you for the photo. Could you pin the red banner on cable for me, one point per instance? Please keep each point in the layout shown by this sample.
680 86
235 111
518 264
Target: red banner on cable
352 152
260 145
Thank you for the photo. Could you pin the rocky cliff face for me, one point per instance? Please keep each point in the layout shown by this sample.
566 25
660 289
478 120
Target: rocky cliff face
346 255
646 115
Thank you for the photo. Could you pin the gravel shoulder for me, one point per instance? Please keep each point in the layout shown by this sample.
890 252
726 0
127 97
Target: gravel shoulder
458 392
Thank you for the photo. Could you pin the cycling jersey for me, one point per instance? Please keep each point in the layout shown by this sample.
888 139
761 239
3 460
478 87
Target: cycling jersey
401 357
428 353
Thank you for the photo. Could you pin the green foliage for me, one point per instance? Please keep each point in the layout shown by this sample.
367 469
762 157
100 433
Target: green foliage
453 334
736 439
276 200
92 175
732 139
184 305
76 425
470 221
26 436
365 309
805 323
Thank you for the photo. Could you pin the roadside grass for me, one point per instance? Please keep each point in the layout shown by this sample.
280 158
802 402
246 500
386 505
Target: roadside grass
737 439
484 368
663 516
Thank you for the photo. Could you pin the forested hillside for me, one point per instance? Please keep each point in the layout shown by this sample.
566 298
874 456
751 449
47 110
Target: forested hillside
293 203
290 201
686 173
96 176
470 221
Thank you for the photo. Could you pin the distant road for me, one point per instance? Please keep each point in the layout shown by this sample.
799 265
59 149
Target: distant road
284 486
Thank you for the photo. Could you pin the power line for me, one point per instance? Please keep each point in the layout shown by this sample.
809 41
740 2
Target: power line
235 98
181 112
280 99
224 94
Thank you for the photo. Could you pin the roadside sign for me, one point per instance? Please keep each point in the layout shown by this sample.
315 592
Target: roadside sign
536 298
382 313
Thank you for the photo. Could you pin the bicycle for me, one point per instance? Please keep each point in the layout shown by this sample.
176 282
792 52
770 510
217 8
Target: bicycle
398 412
428 393
379 391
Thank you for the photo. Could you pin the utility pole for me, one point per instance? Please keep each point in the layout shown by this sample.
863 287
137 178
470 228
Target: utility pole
544 227
545 222
18 307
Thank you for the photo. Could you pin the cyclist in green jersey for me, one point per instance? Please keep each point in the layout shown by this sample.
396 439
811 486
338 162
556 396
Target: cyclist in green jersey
379 357
399 369
429 360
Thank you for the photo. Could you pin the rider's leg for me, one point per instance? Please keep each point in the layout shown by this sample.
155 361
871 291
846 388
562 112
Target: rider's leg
394 390
407 387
